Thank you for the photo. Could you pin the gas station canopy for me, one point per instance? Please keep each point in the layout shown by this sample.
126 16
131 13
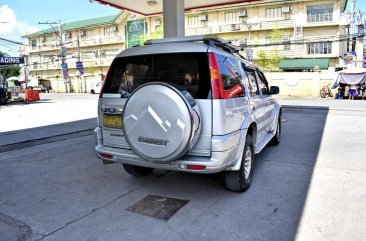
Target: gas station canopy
153 7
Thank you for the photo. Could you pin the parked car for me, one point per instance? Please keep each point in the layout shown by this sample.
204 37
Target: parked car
189 104
40 88
96 89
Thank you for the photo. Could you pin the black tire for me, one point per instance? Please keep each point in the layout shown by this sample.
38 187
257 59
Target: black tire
276 139
3 100
323 94
238 181
92 92
137 171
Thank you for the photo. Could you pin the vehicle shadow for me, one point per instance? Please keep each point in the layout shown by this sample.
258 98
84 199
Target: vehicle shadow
272 208
23 102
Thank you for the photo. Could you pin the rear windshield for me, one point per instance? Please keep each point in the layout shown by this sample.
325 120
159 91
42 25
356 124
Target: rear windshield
187 71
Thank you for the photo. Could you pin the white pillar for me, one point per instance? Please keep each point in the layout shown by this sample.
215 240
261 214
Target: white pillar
173 12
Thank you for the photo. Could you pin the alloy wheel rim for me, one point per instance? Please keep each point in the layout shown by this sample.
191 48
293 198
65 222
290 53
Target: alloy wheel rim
247 163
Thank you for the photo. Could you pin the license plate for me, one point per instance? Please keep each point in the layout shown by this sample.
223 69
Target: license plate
112 121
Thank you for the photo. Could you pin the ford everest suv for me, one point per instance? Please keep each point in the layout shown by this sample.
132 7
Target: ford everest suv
189 104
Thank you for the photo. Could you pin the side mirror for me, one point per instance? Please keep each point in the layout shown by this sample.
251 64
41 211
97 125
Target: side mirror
274 90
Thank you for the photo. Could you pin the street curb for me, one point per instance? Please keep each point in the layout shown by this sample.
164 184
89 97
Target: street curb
39 135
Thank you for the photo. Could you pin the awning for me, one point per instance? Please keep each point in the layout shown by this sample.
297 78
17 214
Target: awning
351 76
303 64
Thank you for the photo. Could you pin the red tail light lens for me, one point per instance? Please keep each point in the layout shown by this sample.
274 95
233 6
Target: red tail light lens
217 85
105 155
196 167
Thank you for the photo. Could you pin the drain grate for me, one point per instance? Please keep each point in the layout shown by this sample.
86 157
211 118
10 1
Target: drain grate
159 207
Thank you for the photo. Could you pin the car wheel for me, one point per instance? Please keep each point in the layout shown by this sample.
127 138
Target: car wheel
92 92
276 139
239 181
3 100
137 171
322 94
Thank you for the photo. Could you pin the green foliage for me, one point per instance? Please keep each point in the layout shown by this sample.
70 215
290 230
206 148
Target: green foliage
262 60
12 70
140 40
270 59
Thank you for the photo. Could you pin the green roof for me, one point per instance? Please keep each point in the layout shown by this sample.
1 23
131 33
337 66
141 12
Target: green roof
302 64
79 24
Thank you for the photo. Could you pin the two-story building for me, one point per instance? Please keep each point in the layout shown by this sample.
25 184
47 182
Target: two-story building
305 34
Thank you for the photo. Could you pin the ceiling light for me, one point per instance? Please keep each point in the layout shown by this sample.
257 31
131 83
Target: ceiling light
152 3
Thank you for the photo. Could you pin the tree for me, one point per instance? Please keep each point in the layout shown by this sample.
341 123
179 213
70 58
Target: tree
270 59
9 71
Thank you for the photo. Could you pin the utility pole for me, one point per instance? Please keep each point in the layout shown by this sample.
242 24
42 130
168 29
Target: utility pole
64 67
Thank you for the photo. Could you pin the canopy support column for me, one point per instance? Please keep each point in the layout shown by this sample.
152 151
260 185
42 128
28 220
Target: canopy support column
173 12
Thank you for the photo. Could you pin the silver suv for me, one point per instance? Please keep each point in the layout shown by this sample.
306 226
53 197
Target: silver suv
189 104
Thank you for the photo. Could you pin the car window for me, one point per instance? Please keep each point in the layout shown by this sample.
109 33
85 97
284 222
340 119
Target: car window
263 84
230 75
188 71
251 81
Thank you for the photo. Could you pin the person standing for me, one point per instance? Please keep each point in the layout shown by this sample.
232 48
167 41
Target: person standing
352 92
362 90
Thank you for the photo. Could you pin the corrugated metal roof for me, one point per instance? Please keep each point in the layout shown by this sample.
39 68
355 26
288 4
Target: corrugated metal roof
79 24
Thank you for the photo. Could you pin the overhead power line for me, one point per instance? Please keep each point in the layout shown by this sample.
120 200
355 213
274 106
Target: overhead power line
13 42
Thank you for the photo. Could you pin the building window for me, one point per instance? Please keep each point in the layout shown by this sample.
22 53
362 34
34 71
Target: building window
110 31
320 48
196 21
88 34
232 17
286 41
35 65
111 53
319 13
274 13
34 44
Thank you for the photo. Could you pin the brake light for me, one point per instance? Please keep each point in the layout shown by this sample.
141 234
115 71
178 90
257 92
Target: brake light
217 85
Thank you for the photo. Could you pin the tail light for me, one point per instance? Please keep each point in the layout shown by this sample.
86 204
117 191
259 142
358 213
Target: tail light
217 85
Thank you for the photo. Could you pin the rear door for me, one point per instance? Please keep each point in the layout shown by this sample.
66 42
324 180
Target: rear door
257 104
267 99
128 73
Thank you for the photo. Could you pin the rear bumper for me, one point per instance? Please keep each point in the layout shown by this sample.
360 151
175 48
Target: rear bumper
217 162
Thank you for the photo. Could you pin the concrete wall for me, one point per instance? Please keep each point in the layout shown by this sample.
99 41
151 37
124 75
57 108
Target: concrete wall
301 83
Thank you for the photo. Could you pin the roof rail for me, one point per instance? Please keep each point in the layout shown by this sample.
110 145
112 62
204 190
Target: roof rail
211 40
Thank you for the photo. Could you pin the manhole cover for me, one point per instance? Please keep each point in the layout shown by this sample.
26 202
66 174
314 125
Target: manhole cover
158 207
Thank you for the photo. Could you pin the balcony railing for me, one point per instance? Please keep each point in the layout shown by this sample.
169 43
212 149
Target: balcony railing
198 30
114 39
289 23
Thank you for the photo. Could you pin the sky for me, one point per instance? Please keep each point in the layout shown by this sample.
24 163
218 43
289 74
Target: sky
22 16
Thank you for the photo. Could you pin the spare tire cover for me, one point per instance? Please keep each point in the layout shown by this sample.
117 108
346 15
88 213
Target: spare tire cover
160 122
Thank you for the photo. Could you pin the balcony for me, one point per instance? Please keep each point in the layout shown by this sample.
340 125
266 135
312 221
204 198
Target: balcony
111 40
44 47
88 42
106 61
289 23
198 30
233 27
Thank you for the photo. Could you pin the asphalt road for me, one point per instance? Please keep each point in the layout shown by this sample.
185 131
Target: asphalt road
310 187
